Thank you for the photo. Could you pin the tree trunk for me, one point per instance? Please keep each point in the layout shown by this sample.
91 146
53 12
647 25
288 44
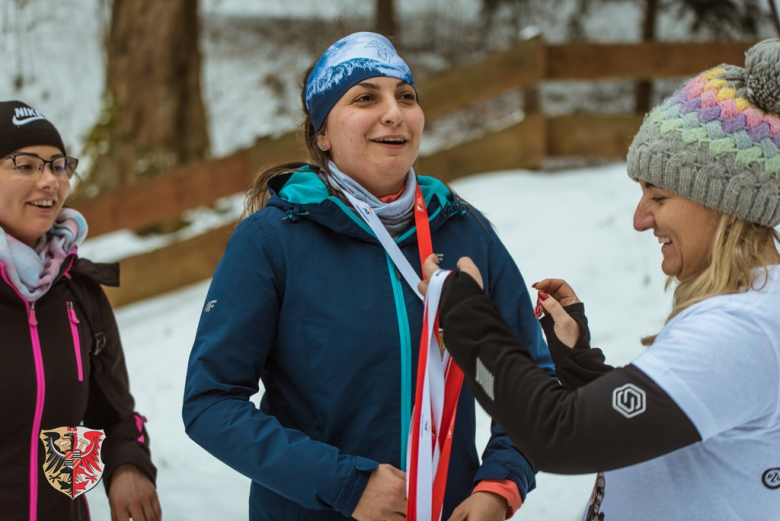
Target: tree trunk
775 15
644 89
385 18
153 115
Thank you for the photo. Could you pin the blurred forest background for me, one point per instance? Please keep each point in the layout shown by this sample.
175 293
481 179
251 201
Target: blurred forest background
172 107
154 110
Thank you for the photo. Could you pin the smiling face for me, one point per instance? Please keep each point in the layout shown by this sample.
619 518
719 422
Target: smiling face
30 204
685 229
373 133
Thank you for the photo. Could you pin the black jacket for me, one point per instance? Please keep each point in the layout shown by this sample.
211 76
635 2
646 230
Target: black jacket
597 418
61 364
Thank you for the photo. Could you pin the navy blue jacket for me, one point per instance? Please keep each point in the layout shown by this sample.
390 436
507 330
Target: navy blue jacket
306 300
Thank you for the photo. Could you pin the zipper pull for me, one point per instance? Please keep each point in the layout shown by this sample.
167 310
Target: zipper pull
72 313
31 315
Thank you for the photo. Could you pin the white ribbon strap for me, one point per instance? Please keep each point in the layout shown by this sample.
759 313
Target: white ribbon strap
431 406
392 249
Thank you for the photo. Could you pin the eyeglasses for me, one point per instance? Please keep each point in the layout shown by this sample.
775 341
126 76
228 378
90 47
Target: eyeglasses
29 165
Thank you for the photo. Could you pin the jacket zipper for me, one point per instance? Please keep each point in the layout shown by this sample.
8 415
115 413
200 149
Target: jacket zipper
39 398
406 359
74 331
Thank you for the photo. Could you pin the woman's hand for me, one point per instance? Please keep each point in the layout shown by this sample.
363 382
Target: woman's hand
384 497
431 265
481 506
554 294
558 289
132 496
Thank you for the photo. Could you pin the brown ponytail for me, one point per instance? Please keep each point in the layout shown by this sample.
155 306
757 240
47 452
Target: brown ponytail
257 194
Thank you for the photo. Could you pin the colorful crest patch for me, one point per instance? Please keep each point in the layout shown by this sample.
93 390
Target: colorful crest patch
73 464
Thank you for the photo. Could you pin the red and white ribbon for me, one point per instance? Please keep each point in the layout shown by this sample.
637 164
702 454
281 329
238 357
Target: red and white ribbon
439 381
392 249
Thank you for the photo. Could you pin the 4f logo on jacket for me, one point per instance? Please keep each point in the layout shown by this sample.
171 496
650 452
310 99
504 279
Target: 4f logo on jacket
73 464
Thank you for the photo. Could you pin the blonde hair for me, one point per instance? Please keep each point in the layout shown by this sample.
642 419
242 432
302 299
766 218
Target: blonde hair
739 247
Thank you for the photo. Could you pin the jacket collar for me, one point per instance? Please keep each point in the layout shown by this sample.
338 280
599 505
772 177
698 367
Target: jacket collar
302 194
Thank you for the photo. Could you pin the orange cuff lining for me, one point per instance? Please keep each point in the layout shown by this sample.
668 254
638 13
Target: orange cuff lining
505 488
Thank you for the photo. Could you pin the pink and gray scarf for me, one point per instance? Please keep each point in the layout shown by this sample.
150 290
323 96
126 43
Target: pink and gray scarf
32 271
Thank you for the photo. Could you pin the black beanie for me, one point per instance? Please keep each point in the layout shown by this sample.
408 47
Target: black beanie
22 126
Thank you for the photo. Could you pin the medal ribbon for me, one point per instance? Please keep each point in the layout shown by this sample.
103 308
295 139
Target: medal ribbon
439 379
392 249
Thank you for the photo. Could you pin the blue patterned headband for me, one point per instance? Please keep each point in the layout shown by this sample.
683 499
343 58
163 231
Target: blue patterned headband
346 63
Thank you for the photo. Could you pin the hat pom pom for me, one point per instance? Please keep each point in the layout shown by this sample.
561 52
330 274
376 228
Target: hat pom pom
762 75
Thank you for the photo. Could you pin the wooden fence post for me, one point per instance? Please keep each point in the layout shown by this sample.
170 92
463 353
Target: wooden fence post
532 108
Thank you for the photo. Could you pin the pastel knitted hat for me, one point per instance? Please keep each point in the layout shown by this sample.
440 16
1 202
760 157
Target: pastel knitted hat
716 141
23 126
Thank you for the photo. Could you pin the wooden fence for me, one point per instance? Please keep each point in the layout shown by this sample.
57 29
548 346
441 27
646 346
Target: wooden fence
522 145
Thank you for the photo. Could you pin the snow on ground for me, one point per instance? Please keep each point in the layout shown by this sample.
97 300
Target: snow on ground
574 225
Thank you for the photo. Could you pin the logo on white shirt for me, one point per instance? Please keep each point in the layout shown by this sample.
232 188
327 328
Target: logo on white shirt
771 478
629 400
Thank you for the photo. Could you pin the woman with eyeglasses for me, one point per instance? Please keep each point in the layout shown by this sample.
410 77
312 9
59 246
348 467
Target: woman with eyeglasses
65 401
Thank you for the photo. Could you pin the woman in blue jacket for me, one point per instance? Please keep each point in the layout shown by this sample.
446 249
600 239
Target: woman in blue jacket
307 299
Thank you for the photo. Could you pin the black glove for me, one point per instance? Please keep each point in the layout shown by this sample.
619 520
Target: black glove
578 365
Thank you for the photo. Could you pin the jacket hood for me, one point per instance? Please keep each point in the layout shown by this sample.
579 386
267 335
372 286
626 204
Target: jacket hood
302 194
106 274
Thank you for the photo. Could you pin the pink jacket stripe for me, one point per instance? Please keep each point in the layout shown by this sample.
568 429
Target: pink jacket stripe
39 398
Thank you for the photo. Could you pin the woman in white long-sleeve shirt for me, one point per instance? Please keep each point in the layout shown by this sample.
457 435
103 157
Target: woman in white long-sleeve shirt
691 428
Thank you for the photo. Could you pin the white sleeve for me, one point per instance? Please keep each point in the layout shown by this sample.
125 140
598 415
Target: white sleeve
718 365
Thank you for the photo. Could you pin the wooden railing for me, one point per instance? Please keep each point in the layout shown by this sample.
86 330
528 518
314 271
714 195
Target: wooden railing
522 145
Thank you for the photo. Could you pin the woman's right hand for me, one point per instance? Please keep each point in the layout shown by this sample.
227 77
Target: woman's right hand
431 265
384 497
554 294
